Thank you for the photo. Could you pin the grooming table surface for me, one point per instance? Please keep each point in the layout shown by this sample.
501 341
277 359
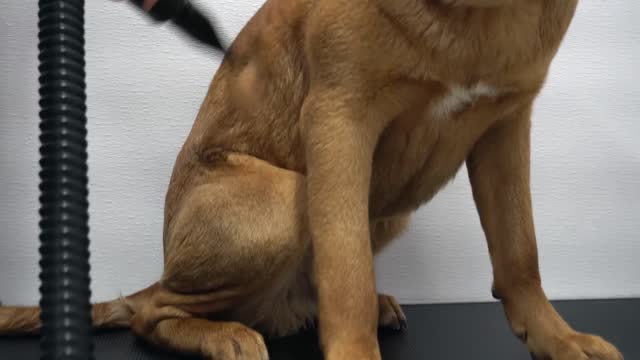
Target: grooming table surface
455 332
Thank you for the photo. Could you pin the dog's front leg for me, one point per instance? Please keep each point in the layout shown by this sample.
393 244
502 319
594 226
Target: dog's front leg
339 140
499 172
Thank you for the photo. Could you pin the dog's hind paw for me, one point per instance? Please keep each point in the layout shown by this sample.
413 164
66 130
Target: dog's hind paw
236 343
391 314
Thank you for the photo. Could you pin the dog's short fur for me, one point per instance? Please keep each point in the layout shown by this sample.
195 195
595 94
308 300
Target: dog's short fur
327 124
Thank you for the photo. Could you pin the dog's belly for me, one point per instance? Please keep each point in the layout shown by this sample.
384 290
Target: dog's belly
424 148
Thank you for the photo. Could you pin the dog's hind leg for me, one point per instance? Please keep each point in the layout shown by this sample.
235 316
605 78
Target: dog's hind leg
235 239
171 328
238 230
237 249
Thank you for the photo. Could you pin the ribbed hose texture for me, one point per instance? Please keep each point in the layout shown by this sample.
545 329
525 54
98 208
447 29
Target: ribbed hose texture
64 243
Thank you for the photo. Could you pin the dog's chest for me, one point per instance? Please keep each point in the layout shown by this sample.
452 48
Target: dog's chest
458 98
424 147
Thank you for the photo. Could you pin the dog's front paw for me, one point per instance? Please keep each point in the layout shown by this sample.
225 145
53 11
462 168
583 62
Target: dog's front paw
391 314
359 344
355 351
577 346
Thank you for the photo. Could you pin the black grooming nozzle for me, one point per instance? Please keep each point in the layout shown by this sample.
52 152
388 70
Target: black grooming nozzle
194 22
188 18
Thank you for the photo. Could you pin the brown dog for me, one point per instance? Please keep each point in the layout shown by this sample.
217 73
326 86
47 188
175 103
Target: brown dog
328 123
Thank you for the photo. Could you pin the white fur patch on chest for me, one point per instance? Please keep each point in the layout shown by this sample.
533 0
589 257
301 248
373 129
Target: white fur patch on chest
459 97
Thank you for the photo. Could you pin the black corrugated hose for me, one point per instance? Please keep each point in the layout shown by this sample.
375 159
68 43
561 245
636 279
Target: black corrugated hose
64 219
64 242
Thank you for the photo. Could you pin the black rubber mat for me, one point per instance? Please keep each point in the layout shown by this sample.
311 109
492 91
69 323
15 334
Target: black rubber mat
438 332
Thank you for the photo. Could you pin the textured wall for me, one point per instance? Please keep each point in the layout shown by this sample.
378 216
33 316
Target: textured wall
145 86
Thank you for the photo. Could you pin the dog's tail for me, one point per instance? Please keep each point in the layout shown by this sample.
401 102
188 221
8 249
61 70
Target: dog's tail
19 320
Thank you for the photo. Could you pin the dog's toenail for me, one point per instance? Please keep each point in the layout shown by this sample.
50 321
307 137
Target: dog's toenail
522 336
495 293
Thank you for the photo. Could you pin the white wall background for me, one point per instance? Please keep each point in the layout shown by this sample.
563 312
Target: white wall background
145 85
